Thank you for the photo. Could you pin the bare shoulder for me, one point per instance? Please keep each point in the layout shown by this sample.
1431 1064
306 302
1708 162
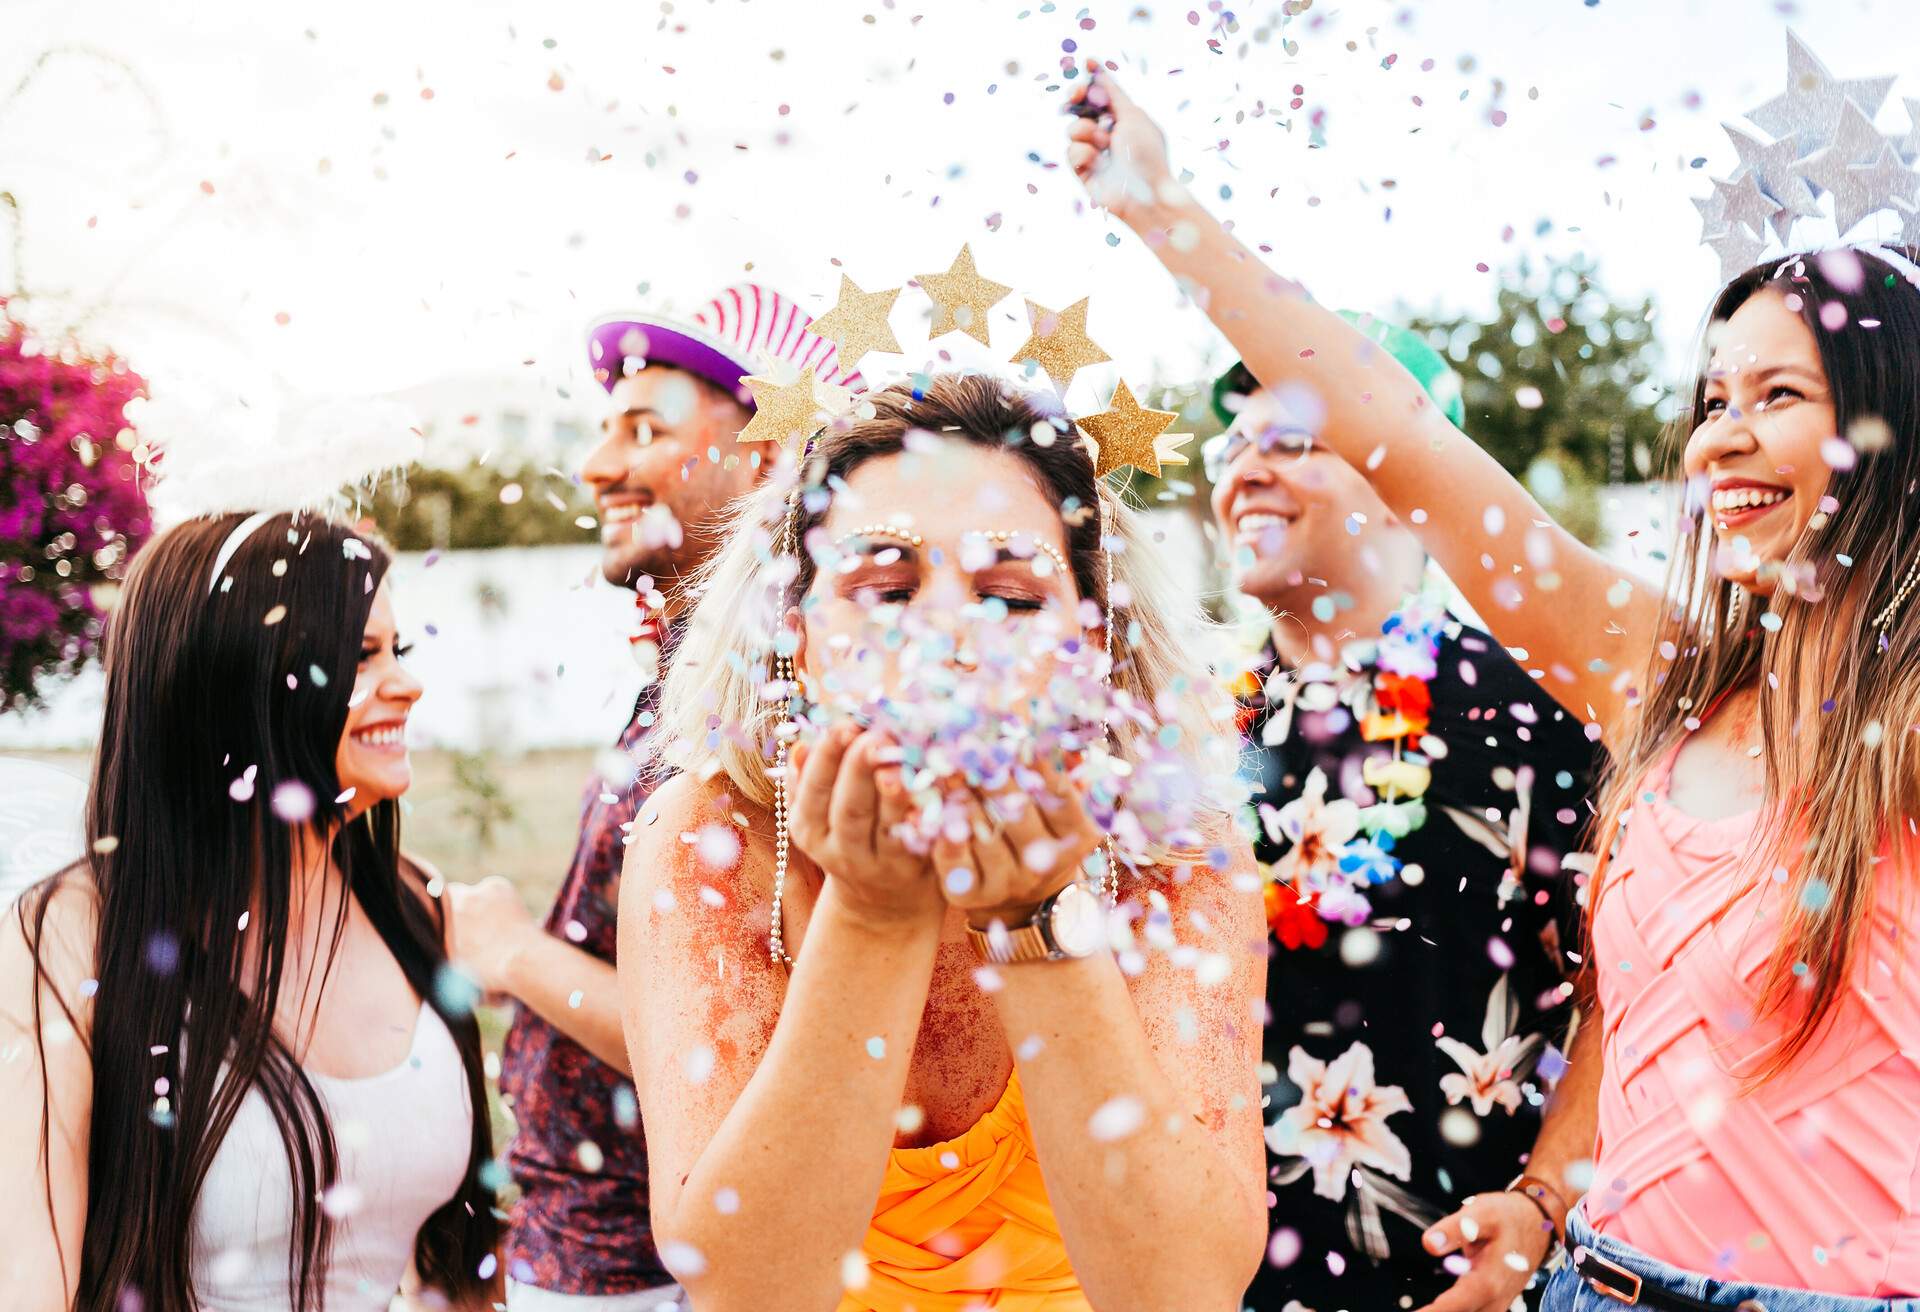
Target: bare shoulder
1218 880
698 836
700 991
698 876
421 880
422 873
48 945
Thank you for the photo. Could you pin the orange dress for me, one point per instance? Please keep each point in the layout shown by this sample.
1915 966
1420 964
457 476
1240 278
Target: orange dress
966 1223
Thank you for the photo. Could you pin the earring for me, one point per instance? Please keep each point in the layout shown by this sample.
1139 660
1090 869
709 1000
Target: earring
1737 611
776 943
1110 888
788 677
1884 619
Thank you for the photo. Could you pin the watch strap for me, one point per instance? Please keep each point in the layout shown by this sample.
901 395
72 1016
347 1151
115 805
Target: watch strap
1009 945
1012 944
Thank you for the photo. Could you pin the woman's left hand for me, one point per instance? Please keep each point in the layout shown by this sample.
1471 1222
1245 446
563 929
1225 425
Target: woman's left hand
1019 849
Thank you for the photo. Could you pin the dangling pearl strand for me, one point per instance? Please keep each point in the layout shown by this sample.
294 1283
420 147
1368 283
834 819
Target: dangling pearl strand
1885 617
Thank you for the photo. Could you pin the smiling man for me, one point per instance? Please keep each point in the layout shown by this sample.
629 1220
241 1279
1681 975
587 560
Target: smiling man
1416 792
666 469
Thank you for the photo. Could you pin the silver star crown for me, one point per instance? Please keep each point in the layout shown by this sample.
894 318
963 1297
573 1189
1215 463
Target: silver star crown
1821 142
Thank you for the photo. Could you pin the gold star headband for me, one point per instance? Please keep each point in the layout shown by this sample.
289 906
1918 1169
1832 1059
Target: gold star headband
1124 434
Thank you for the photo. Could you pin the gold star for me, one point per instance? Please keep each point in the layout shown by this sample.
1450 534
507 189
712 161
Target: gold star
1060 344
961 298
1128 434
787 414
858 323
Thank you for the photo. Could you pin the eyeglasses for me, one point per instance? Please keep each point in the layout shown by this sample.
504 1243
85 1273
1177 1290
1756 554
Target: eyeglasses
1218 452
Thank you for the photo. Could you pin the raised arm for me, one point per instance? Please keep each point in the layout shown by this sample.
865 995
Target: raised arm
770 1112
1538 587
46 1084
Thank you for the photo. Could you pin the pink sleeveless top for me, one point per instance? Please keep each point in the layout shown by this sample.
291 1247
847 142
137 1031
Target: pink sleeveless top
1810 1181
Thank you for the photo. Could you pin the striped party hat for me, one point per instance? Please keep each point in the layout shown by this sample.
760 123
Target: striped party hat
726 339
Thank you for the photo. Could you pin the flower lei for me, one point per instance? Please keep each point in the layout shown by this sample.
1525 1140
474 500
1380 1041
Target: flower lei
1336 848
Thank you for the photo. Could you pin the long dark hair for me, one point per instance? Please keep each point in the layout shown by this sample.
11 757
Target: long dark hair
245 681
1836 693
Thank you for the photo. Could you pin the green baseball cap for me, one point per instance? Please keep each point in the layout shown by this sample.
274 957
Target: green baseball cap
1428 367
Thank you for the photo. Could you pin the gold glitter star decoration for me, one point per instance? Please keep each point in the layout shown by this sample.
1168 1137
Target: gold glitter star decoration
785 413
1060 344
961 298
1127 433
857 324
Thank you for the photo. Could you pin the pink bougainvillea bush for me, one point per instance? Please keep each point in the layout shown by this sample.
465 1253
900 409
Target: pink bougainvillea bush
71 507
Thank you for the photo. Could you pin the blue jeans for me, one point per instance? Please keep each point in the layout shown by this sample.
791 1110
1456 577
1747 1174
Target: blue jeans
1568 1291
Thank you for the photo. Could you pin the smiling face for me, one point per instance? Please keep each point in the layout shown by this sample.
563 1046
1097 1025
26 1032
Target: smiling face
665 470
372 756
1300 521
971 543
1755 459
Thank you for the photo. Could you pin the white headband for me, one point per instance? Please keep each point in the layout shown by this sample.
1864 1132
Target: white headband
1900 264
241 532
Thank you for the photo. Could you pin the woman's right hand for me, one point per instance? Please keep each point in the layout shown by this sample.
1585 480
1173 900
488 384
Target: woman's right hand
1503 1239
1115 148
847 803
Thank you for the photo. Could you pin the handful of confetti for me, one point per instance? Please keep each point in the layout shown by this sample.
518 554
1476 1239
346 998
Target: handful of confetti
981 698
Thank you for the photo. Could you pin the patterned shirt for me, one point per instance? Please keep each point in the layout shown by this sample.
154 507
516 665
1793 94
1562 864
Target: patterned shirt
1411 1052
581 1225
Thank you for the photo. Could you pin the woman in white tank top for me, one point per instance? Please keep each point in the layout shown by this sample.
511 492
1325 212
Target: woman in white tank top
236 1072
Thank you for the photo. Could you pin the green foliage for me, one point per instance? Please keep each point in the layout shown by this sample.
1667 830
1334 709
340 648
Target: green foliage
1563 387
485 806
1592 416
481 506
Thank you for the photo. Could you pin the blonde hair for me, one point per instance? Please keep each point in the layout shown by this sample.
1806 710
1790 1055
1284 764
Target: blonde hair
716 714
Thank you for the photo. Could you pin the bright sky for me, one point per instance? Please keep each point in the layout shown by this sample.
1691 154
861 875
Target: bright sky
426 189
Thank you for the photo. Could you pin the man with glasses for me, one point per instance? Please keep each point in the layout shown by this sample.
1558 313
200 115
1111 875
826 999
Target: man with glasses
1415 794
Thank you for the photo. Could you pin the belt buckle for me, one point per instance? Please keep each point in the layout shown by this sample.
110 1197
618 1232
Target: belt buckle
1612 1268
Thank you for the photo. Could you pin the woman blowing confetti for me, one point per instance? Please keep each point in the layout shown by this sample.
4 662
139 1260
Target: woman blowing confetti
1752 914
893 1049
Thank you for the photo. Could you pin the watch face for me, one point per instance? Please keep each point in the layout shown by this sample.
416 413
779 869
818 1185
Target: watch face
1078 922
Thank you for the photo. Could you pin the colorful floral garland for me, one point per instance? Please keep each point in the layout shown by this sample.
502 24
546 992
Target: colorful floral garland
1337 848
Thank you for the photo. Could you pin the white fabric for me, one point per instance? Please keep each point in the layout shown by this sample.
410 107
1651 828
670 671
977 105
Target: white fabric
403 1138
531 1298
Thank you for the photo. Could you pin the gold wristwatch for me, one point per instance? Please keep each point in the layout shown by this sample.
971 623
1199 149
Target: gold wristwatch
1067 925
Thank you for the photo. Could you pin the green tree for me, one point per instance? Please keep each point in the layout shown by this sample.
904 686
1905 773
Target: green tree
1563 387
481 506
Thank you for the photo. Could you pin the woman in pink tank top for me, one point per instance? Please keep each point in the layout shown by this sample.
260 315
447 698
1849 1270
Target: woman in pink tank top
1754 1026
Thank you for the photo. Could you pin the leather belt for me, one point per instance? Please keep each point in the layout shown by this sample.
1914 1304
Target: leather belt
1625 1286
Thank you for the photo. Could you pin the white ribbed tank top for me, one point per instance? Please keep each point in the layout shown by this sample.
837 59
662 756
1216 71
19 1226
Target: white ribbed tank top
403 1138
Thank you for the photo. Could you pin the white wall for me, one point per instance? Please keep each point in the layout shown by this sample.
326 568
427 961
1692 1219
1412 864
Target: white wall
530 645
529 650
